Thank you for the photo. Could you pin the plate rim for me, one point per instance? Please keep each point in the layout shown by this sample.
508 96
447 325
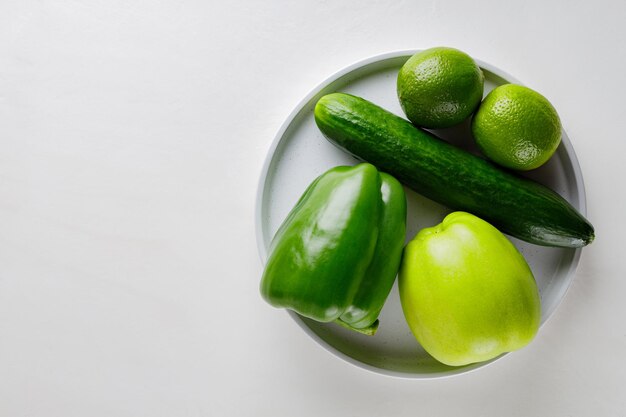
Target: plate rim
261 186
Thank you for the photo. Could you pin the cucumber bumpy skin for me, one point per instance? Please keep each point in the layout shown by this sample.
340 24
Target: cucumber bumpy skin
517 206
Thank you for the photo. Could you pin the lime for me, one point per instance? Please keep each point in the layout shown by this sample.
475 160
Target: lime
517 127
439 87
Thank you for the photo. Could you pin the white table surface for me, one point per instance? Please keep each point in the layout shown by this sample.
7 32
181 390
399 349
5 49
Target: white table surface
132 135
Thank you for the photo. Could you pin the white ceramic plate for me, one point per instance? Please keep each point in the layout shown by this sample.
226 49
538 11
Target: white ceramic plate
300 153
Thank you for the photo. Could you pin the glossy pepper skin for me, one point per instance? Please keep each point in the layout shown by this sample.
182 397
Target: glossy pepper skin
336 255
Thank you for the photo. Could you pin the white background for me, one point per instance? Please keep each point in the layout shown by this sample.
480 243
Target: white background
132 135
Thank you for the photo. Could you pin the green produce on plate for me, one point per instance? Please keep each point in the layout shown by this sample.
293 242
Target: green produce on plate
439 87
438 170
336 255
467 294
517 127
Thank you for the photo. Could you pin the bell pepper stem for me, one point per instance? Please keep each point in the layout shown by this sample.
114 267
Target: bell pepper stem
369 330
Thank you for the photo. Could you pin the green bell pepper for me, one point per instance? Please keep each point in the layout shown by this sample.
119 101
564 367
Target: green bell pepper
336 255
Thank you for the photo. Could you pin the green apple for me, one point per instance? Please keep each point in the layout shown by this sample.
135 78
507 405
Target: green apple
467 293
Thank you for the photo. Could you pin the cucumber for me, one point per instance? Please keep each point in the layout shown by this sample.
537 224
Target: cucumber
448 175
